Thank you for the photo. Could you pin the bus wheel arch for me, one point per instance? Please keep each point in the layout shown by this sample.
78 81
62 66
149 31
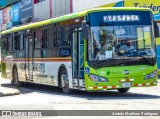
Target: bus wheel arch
63 81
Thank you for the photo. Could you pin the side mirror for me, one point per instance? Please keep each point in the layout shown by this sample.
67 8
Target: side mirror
85 30
156 30
28 33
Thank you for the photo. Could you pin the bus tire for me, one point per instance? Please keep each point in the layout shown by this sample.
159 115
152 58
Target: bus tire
64 82
15 78
123 90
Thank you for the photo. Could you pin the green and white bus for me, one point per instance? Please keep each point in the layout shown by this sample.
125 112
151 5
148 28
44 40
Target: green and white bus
83 50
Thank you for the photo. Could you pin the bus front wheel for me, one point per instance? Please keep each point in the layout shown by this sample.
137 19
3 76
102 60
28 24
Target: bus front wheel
123 90
64 81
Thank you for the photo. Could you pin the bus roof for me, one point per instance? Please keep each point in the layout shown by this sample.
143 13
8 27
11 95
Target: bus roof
67 17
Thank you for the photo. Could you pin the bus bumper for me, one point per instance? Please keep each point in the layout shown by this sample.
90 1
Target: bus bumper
123 84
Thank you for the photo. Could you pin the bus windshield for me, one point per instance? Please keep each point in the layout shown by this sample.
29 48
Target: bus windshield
120 41
121 35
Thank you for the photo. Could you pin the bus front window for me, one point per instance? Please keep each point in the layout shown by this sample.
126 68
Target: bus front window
118 42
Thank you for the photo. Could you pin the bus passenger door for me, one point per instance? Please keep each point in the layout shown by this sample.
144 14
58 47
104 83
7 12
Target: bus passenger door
77 55
29 58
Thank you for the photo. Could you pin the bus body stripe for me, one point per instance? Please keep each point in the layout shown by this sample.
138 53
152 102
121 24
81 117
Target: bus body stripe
109 87
145 84
114 87
126 80
102 87
95 87
44 59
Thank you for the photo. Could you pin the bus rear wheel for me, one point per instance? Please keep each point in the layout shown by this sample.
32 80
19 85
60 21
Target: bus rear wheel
15 79
123 90
64 84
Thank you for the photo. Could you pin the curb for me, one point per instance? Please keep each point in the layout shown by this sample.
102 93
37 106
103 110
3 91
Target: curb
8 91
8 94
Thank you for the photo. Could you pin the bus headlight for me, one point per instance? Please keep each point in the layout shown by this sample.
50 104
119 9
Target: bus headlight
96 78
151 75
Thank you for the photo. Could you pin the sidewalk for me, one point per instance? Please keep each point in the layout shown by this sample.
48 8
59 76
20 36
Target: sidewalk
6 88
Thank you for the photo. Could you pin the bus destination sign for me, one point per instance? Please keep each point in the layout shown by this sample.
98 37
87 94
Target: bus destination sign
121 18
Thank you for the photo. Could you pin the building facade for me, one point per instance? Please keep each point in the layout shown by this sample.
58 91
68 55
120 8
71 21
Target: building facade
19 12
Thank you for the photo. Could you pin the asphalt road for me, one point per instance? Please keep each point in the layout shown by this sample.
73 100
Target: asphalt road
40 97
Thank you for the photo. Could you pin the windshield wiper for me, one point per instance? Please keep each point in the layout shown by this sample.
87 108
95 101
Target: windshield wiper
99 62
148 59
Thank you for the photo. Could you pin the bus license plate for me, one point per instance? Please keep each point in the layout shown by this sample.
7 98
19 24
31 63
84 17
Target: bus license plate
126 84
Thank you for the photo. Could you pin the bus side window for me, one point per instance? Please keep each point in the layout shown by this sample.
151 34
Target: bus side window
9 43
16 41
65 41
45 38
4 43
